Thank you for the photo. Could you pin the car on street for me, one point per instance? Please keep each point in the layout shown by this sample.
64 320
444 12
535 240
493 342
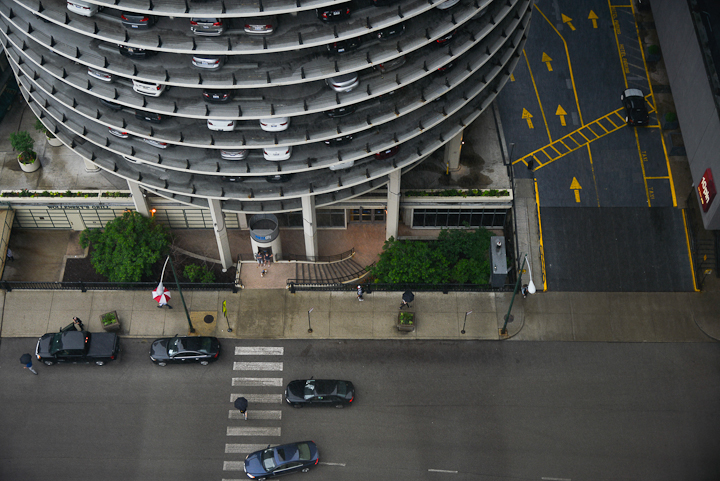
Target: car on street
207 26
73 346
138 21
234 154
334 13
184 350
217 95
283 459
221 125
261 25
636 112
344 83
320 392
100 74
276 154
277 124
210 62
153 89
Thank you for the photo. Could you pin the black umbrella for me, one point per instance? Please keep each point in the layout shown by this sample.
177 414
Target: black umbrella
241 404
408 296
25 358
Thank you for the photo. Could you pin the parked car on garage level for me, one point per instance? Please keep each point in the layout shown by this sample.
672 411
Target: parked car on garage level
334 13
391 32
153 117
221 125
100 74
338 141
156 143
234 154
211 62
344 46
341 111
276 154
261 25
152 89
277 124
118 133
135 52
83 8
138 21
387 153
344 83
185 350
390 65
217 95
207 26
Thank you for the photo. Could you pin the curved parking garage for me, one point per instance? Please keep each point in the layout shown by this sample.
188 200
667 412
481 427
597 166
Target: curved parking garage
257 109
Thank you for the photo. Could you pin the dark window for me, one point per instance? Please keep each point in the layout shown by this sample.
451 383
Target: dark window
490 218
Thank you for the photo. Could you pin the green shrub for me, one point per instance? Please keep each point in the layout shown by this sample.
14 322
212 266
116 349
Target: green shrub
108 318
670 117
198 273
23 143
127 248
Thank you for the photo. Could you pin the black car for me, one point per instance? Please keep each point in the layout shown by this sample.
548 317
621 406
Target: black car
334 13
339 141
445 38
319 391
635 109
284 459
134 52
341 111
153 117
278 178
184 350
391 31
138 21
217 95
344 46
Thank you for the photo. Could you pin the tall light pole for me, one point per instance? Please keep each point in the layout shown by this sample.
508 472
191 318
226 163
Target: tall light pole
177 282
508 316
531 284
464 321
309 327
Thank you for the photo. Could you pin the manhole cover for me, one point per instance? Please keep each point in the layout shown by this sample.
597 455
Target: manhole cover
209 319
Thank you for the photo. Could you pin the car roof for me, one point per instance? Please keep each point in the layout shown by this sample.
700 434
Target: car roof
633 93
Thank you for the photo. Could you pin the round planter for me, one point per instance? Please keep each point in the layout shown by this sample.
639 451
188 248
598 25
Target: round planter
29 167
53 141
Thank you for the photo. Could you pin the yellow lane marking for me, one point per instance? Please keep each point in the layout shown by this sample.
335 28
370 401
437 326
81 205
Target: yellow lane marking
621 48
567 20
592 169
658 178
575 186
546 60
512 77
687 242
594 18
542 247
527 116
561 113
537 96
643 159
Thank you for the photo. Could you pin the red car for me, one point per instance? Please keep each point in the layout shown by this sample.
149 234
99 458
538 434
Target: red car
387 153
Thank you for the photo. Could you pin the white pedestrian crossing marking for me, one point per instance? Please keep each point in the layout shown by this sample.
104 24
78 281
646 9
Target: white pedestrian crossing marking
259 351
253 414
257 366
243 448
252 431
257 381
233 466
258 398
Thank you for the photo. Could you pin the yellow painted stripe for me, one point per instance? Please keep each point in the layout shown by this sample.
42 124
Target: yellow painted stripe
592 169
537 95
687 242
542 247
658 178
642 166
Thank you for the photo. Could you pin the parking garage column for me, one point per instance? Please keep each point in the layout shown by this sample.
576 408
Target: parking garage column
221 235
242 220
393 205
452 152
310 226
138 197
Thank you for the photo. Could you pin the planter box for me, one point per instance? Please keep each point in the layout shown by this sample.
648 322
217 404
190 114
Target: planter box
29 167
115 326
409 324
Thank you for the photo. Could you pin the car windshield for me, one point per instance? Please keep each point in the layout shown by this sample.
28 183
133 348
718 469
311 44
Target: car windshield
268 459
196 344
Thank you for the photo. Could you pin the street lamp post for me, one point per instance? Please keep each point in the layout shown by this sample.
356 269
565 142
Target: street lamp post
177 282
464 321
310 327
531 284
508 316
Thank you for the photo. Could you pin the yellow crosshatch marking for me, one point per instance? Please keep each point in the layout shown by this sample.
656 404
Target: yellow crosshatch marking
579 138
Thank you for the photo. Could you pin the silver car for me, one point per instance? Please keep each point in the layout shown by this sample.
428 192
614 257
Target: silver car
207 26
234 154
100 74
208 61
344 83
261 25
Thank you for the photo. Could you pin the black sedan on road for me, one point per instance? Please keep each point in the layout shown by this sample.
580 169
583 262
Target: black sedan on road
185 350
635 110
285 459
319 391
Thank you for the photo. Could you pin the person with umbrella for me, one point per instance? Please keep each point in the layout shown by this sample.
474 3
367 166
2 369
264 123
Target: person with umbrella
26 359
241 404
161 294
407 298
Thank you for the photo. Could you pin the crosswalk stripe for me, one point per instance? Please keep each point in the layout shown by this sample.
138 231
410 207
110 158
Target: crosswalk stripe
257 381
259 351
252 414
233 466
258 398
257 366
243 448
243 431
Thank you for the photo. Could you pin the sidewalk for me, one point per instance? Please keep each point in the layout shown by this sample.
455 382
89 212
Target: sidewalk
278 314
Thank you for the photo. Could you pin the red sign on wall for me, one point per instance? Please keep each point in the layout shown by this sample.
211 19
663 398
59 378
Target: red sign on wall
706 190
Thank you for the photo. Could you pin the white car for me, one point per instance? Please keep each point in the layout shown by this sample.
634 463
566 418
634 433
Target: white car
234 154
156 143
100 74
276 154
277 124
147 88
343 165
82 8
221 125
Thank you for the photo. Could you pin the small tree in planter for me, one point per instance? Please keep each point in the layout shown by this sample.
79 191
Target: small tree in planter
406 321
24 143
110 321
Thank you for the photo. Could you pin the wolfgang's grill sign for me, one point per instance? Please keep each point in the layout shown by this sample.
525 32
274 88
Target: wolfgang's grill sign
706 190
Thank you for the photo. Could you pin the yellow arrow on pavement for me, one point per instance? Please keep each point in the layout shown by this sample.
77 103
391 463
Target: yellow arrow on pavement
567 20
527 116
546 58
575 185
561 112
512 77
594 18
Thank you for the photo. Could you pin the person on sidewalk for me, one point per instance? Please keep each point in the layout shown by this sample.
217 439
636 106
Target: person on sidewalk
10 255
163 302
241 404
26 360
78 324
260 258
360 293
267 258
524 291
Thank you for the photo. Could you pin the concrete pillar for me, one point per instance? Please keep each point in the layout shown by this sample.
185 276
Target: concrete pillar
221 235
242 220
138 197
452 152
392 218
90 167
310 226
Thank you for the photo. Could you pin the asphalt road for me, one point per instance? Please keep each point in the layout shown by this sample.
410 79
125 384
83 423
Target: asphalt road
423 410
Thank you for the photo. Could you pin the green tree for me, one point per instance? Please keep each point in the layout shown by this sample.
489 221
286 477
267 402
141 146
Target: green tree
198 273
127 248
23 143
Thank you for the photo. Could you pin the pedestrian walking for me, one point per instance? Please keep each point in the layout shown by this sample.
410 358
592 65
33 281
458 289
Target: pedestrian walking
78 324
524 291
9 255
241 404
407 298
26 360
360 293
163 302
